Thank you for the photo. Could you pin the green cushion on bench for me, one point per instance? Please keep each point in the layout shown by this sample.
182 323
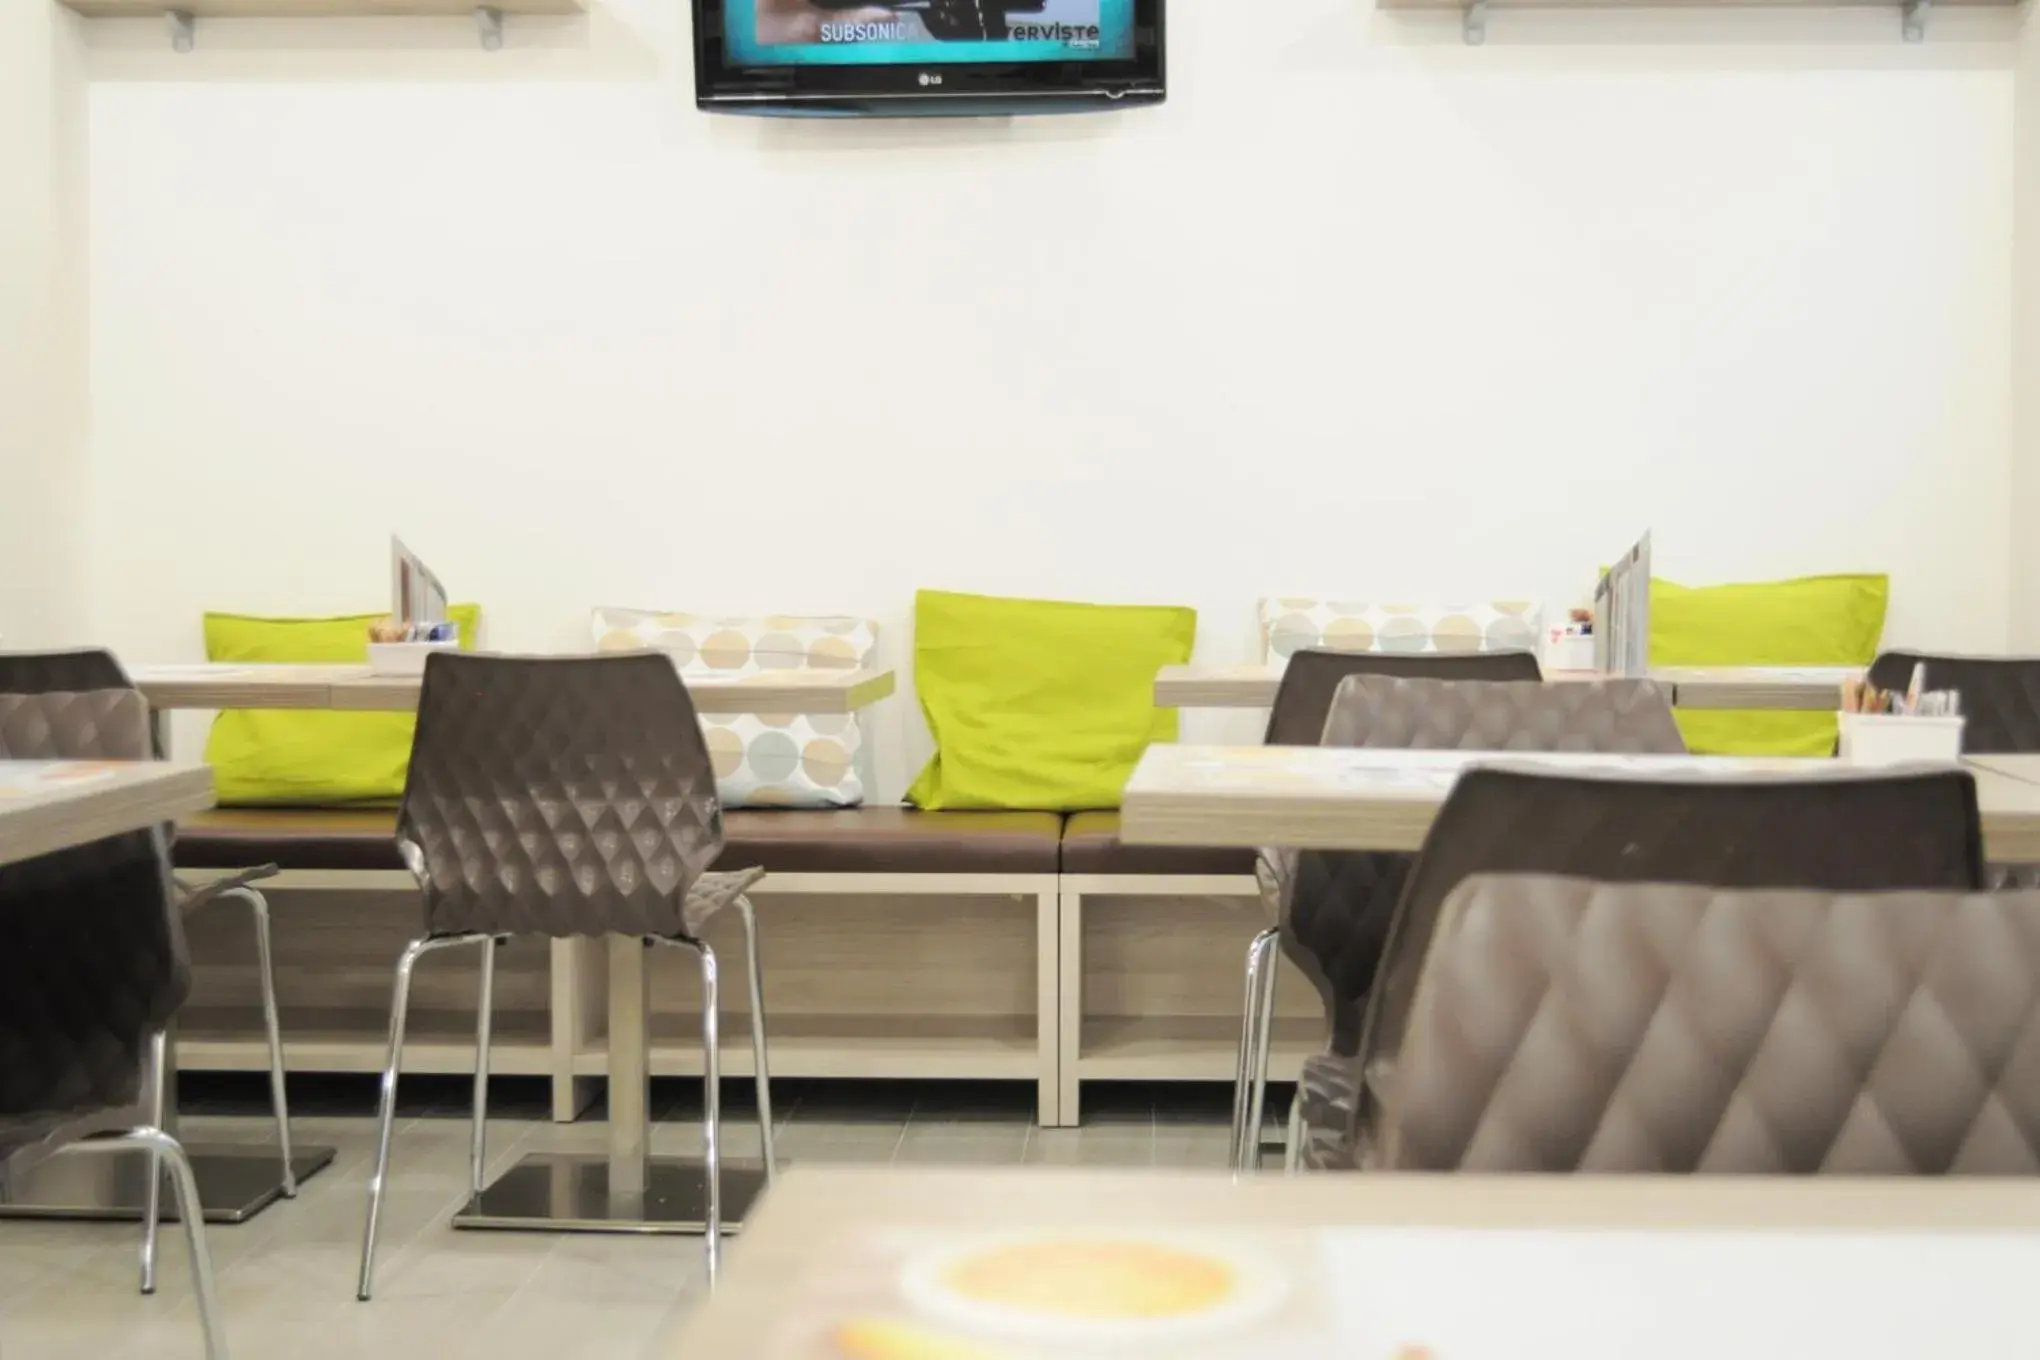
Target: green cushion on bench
1811 621
1038 704
270 757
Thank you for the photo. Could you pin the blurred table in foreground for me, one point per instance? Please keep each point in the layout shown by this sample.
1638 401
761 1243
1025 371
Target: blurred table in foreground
868 1265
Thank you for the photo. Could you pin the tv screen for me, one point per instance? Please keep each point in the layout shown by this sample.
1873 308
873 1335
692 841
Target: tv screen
965 56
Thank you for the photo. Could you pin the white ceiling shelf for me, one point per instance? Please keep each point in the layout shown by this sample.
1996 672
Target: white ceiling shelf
1475 13
184 15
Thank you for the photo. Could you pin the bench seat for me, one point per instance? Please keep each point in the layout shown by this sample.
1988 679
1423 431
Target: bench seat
870 840
1091 845
345 839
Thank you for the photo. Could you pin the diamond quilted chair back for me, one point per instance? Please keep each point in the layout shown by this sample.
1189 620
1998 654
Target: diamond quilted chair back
1567 1025
557 796
97 724
74 672
1836 830
92 962
42 672
1304 698
1336 919
2000 696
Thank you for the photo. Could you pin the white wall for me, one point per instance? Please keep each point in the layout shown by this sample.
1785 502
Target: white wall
43 482
1358 311
2024 502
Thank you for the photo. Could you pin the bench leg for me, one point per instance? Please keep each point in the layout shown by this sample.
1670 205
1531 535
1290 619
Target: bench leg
1048 1007
579 1000
1071 968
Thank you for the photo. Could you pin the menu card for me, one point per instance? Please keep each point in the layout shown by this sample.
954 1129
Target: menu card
1622 614
415 593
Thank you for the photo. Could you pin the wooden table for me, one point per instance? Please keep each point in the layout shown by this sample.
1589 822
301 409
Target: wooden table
628 1190
1809 688
798 1265
1331 798
47 806
354 689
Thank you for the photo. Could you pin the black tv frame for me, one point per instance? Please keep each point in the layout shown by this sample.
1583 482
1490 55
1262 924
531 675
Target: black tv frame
954 88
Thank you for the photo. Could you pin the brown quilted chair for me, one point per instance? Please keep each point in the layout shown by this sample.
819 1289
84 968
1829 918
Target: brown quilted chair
2000 696
1312 677
2001 714
1567 1025
1839 830
42 717
1334 907
93 966
559 797
1303 700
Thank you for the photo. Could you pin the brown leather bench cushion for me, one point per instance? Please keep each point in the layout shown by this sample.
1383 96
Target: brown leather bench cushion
873 840
890 840
1091 845
290 838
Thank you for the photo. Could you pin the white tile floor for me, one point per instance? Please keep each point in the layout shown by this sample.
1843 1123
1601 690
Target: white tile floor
287 1276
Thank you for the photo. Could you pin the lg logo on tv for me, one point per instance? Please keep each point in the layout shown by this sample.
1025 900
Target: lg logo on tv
930 78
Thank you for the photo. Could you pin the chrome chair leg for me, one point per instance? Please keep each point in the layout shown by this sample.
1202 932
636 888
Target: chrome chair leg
400 1005
166 1153
711 1101
152 1195
1264 1032
1292 1151
279 1102
485 1006
762 1074
1239 1156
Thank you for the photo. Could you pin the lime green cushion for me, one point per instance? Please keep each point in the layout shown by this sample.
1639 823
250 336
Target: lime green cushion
308 759
1812 621
1036 704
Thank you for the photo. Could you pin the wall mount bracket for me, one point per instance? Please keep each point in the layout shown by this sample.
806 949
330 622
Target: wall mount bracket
183 29
489 24
1915 19
1473 23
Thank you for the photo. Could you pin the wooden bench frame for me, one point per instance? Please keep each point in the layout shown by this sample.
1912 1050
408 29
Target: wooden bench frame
574 1056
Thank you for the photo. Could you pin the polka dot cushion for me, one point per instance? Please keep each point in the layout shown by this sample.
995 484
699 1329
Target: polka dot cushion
805 760
1290 625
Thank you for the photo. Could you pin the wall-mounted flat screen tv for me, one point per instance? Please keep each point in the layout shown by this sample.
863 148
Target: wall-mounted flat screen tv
849 57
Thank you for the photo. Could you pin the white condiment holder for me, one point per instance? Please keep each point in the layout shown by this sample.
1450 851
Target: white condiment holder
1565 651
1894 739
404 658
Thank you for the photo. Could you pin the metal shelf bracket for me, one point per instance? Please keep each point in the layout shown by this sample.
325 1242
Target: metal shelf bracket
183 28
489 23
1916 20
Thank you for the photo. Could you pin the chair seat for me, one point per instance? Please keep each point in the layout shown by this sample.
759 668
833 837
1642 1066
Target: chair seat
290 838
890 840
1091 845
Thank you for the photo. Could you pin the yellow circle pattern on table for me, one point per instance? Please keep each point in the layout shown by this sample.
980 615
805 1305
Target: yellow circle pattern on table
763 759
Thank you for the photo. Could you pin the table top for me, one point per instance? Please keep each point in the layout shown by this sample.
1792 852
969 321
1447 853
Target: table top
53 805
826 1244
1342 798
1816 688
353 688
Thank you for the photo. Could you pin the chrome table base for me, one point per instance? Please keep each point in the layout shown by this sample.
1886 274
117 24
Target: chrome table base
234 1184
560 1192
